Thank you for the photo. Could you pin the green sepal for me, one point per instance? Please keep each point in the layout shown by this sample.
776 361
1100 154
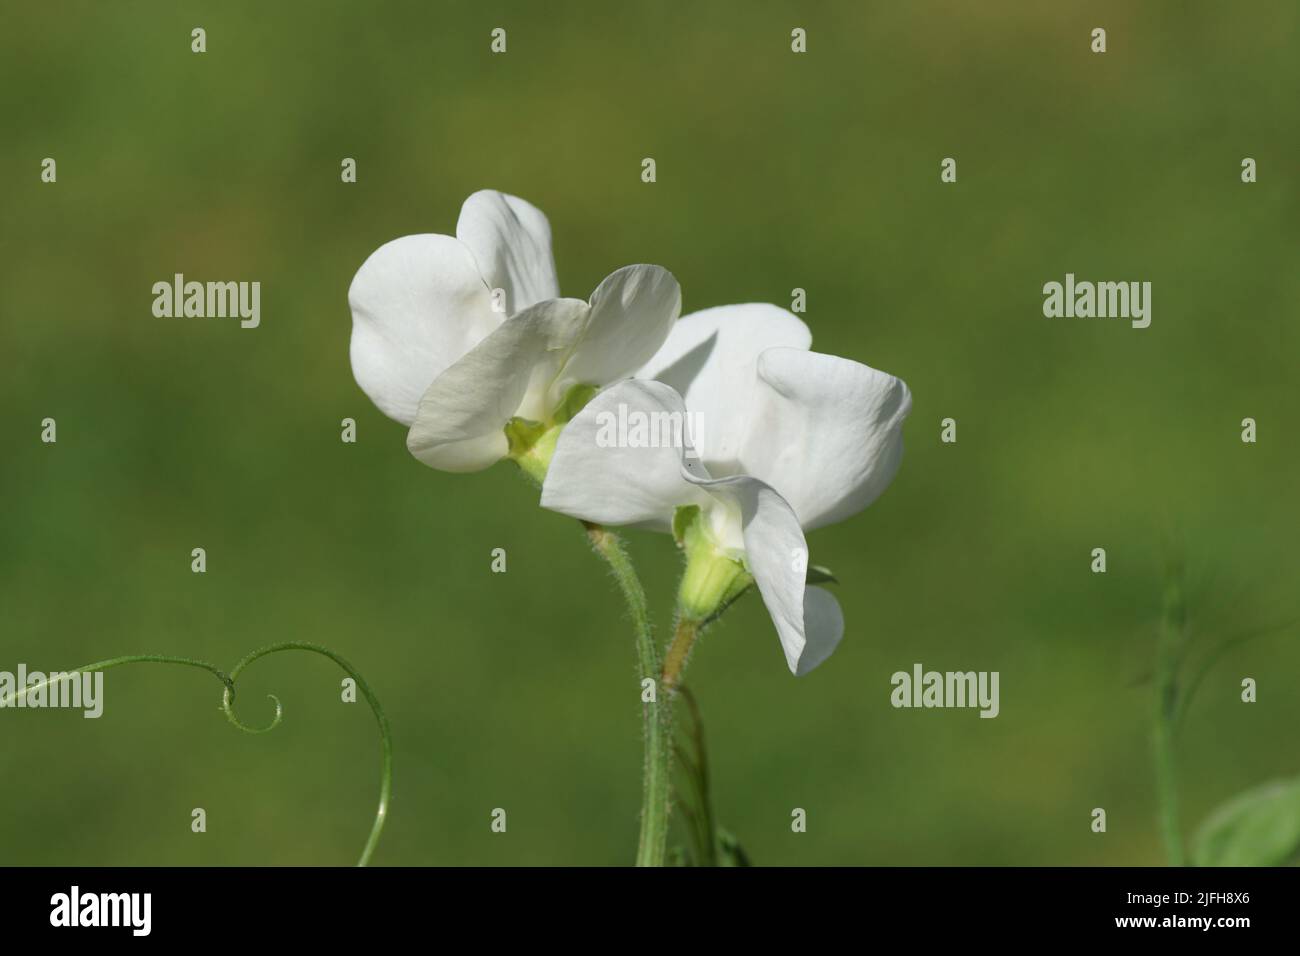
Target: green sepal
712 580
574 401
683 520
820 575
522 434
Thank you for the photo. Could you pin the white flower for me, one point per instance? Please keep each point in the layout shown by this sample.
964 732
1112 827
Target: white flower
792 440
432 352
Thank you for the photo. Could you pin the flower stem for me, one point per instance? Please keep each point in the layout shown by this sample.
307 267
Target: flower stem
656 715
228 697
679 651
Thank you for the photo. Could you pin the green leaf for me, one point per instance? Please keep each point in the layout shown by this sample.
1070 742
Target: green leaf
1260 827
819 575
730 850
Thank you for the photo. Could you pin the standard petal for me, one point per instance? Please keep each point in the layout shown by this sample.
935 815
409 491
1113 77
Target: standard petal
808 620
511 241
602 471
459 425
826 431
418 304
710 359
632 311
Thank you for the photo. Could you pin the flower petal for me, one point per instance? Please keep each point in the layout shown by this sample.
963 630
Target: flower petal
826 431
418 304
808 620
460 423
710 359
511 241
632 311
594 477
823 628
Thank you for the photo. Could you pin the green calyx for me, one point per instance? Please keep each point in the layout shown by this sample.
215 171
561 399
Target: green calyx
712 579
532 444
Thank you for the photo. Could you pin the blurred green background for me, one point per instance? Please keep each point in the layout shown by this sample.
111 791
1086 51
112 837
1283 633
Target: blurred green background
775 171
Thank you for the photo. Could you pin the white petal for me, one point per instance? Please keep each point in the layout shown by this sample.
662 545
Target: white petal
825 431
511 240
808 620
418 304
823 628
710 359
632 311
592 479
461 418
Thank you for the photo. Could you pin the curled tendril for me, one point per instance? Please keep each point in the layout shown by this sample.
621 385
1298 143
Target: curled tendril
227 699
227 707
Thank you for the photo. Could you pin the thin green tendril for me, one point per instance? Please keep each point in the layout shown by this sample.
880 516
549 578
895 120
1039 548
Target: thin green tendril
228 698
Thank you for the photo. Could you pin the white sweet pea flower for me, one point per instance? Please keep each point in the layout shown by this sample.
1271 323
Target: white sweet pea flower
466 341
790 440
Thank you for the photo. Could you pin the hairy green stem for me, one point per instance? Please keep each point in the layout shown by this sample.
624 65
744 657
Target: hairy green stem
228 697
679 651
656 714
